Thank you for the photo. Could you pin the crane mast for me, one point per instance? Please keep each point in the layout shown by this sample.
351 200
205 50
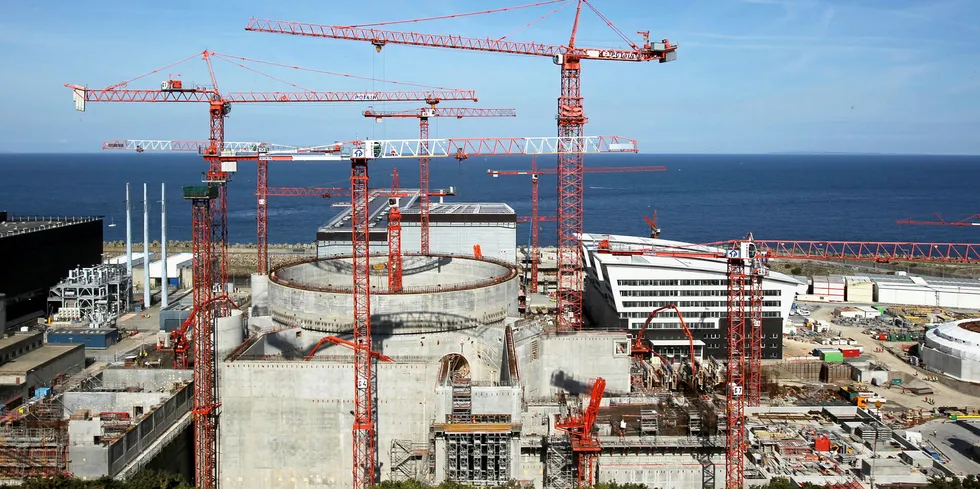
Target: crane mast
423 114
571 116
535 255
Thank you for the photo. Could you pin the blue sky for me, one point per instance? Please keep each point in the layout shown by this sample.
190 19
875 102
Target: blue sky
894 76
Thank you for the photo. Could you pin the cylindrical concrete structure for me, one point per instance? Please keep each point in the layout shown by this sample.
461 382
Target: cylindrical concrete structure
260 294
440 293
954 349
229 333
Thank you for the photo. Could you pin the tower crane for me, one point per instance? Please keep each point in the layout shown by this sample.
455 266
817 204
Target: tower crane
364 459
423 114
174 90
747 262
585 443
535 256
571 116
652 222
262 153
394 237
973 220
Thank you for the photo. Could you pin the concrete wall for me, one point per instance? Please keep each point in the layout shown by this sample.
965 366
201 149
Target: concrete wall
571 362
496 240
288 424
90 460
230 332
406 312
661 471
120 378
120 402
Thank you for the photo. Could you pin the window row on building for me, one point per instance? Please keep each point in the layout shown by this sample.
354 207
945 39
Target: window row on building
653 304
671 283
698 314
661 325
688 293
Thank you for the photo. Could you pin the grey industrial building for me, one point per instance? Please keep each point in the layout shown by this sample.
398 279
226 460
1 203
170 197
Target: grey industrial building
38 251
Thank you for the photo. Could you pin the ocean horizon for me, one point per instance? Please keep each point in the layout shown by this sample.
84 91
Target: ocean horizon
699 198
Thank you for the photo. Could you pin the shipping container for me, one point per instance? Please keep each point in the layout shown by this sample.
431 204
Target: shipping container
821 444
850 352
92 338
832 356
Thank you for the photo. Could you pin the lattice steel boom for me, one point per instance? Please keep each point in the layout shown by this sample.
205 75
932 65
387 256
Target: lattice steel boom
423 114
571 117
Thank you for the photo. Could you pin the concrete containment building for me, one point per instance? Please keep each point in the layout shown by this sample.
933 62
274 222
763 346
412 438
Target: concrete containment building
954 349
440 293
449 405
620 292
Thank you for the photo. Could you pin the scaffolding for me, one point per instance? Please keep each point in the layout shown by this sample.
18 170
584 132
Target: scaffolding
34 442
407 458
558 464
97 294
481 459
462 401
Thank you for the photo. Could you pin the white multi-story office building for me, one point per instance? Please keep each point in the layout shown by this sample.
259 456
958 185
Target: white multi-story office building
622 290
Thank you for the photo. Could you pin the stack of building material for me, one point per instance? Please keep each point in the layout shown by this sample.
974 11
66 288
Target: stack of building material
869 433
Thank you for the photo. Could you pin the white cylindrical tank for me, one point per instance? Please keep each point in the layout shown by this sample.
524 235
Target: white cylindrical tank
260 293
230 333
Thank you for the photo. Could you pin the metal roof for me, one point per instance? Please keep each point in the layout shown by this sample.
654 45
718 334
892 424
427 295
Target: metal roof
21 225
464 208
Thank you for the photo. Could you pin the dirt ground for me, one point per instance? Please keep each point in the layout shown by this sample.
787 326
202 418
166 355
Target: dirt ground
944 396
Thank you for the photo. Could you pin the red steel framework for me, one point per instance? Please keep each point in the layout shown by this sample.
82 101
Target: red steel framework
747 261
571 117
535 257
205 407
585 443
365 380
395 237
216 243
973 220
423 116
219 106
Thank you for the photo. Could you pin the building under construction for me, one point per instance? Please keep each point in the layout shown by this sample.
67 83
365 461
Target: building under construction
110 424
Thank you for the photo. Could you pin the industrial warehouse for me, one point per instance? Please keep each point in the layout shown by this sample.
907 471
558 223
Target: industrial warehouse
414 336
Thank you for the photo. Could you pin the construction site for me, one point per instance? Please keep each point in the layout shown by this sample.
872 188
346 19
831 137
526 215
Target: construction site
420 342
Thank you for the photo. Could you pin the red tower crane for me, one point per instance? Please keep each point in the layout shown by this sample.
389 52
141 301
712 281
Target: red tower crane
174 90
571 116
652 222
585 444
747 261
535 257
394 238
221 165
973 220
423 114
365 382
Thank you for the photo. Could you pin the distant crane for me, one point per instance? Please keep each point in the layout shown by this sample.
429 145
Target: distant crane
747 260
423 116
973 220
571 115
262 153
534 254
654 229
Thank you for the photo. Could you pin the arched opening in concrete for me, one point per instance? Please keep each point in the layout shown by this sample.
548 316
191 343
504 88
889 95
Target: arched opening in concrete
454 367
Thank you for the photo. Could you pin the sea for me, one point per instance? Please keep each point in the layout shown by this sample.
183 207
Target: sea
699 198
